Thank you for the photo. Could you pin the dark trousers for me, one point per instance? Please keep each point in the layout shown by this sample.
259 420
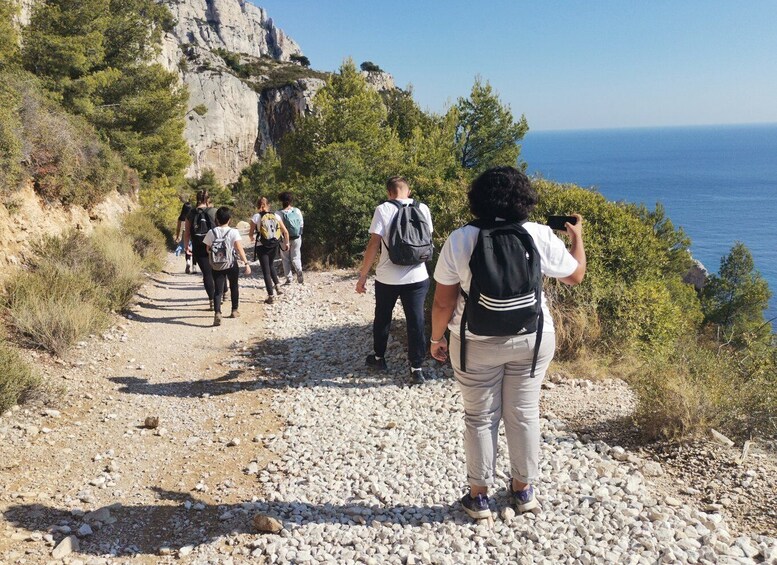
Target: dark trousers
412 297
267 260
220 282
207 274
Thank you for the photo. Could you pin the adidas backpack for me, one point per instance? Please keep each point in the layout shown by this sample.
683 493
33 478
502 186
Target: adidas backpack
505 295
292 219
269 229
222 255
410 235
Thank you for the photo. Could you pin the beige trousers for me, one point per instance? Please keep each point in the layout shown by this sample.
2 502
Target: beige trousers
497 386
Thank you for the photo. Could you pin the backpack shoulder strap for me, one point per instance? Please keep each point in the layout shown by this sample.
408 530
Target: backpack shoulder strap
395 203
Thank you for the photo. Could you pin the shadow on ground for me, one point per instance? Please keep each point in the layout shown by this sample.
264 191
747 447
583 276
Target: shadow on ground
146 529
328 357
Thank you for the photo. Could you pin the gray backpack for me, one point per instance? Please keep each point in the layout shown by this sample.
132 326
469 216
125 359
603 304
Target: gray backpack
222 255
410 235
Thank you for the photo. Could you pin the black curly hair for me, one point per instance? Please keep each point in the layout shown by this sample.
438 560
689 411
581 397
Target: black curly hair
502 192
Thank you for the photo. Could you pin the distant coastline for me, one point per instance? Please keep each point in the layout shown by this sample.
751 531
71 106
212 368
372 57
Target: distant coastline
718 182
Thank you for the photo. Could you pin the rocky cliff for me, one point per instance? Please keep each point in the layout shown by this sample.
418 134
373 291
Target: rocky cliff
246 81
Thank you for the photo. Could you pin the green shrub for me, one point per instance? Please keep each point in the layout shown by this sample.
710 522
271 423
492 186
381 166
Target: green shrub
107 258
683 396
55 308
148 241
16 378
160 200
11 171
64 155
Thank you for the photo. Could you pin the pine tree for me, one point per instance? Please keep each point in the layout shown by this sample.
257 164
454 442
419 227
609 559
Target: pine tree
737 296
486 133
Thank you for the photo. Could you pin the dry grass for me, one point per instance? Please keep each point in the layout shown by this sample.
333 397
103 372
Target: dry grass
17 381
147 241
54 309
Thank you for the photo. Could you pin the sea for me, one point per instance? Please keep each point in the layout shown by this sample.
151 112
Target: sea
719 183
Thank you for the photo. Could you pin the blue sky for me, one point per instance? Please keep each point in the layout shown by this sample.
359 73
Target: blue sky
565 65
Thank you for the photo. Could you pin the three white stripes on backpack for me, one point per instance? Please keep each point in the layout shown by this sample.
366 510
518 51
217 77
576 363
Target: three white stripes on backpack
497 304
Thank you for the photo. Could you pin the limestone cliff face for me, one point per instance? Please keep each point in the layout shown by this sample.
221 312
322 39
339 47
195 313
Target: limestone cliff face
234 25
244 114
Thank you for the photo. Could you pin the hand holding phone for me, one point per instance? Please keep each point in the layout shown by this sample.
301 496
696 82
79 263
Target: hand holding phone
560 222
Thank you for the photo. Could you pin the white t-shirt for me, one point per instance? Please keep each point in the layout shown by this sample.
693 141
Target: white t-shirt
453 265
231 235
388 272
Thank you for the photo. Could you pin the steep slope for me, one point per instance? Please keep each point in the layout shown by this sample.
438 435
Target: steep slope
245 73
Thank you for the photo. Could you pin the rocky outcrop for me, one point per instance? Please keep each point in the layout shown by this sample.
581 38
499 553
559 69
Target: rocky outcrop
233 25
697 275
379 80
280 107
242 116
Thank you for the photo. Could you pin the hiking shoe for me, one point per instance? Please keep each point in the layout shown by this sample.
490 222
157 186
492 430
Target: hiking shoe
278 290
217 320
234 314
300 278
417 376
477 507
374 363
270 299
524 500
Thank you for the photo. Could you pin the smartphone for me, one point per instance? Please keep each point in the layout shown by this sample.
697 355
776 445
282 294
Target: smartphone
559 222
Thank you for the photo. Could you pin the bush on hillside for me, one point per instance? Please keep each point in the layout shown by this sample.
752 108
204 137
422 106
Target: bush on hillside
63 154
148 242
16 378
53 309
107 258
11 135
160 200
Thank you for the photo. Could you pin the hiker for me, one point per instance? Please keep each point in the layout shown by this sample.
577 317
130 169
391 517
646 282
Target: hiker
200 221
186 207
269 229
497 365
294 222
224 245
398 276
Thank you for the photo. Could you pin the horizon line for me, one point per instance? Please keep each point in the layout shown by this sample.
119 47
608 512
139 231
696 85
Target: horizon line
659 126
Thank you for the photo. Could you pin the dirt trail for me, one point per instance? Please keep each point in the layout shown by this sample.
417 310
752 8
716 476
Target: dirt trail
89 449
82 463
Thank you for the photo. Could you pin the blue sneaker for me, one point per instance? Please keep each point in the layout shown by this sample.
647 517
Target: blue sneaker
476 507
524 500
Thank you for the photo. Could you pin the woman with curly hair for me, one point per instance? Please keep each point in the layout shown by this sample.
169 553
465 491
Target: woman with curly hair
497 382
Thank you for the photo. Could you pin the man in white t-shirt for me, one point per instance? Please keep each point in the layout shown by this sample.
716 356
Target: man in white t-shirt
409 283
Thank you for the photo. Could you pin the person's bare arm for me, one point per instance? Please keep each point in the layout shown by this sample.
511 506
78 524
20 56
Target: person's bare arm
369 258
285 235
577 249
242 254
445 298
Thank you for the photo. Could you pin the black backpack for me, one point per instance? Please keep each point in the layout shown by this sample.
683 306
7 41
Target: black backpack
202 224
410 235
505 295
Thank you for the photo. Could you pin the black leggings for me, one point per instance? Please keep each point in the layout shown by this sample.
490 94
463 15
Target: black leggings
220 282
267 259
207 274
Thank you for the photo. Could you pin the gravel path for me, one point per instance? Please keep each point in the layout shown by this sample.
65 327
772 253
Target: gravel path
274 416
